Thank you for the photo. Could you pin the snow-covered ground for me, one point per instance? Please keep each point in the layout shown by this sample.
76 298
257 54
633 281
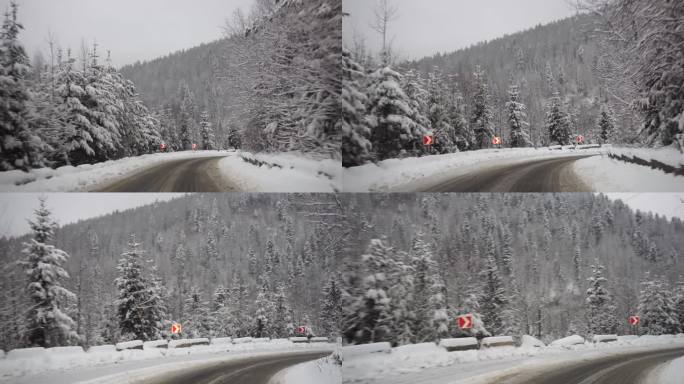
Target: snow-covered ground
296 173
671 373
66 365
604 174
322 371
417 173
412 364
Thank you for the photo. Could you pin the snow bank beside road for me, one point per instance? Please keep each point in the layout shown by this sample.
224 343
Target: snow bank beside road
322 371
286 172
390 367
671 373
603 174
35 361
89 176
416 173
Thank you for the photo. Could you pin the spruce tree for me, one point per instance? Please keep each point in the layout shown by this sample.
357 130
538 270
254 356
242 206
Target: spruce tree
606 126
207 132
393 131
331 309
47 323
356 146
20 147
657 307
493 298
557 121
599 305
197 322
138 294
481 119
517 119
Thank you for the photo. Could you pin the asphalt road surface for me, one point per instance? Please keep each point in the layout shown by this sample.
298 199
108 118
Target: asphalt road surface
548 175
188 175
255 370
623 369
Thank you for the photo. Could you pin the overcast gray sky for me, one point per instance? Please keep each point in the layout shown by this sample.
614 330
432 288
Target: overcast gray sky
16 208
131 29
426 27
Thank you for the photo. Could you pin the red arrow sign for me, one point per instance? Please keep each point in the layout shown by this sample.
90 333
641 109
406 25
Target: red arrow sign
162 146
496 140
428 140
176 328
465 321
580 139
634 320
301 330
194 146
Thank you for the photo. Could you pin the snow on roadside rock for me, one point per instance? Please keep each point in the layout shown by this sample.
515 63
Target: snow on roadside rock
89 176
604 174
322 371
417 173
283 172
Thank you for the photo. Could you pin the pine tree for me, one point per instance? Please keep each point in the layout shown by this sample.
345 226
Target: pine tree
356 146
606 126
197 322
331 309
263 321
557 121
137 294
393 131
282 319
187 117
657 308
207 132
481 119
20 147
438 114
599 304
47 323
516 119
221 321
493 298
429 307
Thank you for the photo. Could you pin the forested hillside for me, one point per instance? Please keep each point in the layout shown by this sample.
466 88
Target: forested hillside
598 74
271 84
222 265
545 265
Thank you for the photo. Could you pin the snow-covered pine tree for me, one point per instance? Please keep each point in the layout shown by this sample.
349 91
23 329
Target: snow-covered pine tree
282 319
606 125
197 322
220 315
428 307
20 147
657 307
517 119
401 300
557 121
393 130
414 86
331 309
47 323
438 113
368 313
263 322
136 292
599 306
481 119
356 146
186 123
207 132
493 299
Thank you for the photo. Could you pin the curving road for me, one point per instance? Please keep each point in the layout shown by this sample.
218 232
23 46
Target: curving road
255 370
623 369
548 175
187 175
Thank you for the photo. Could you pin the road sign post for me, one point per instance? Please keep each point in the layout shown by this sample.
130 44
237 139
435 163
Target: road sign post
465 321
194 146
496 141
162 147
580 139
634 323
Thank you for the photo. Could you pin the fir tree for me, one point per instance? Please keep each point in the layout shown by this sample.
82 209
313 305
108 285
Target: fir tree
207 132
657 308
197 322
393 131
606 126
599 304
557 122
356 146
493 296
20 147
516 119
481 119
47 323
331 309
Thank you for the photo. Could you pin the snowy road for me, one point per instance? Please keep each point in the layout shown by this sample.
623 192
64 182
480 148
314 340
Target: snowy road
257 370
186 175
637 368
547 175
